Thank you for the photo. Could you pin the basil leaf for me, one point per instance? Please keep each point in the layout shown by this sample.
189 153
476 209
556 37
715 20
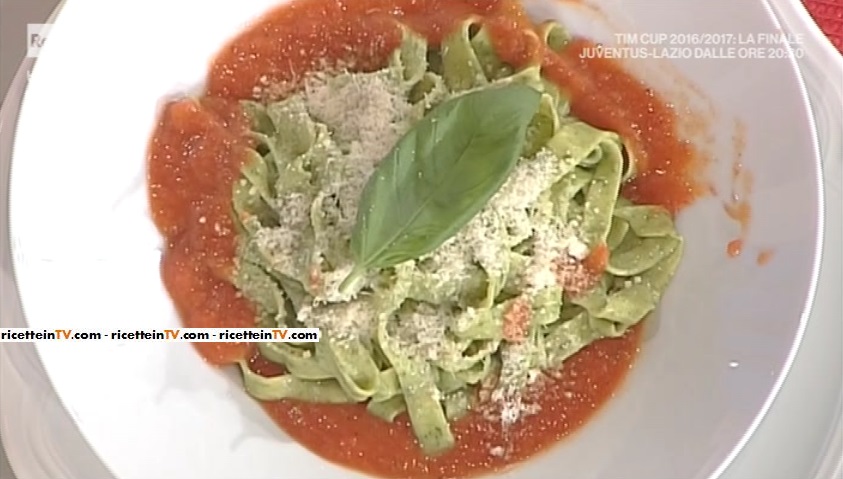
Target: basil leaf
440 175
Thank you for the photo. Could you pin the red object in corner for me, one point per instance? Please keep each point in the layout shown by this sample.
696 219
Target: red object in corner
829 16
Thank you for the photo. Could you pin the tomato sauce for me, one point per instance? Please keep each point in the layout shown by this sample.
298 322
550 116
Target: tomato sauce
349 435
764 257
197 149
194 157
737 206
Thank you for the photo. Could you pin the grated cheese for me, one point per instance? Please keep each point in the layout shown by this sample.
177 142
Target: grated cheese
513 380
361 116
421 332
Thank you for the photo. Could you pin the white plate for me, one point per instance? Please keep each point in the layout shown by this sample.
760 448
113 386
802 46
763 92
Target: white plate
167 403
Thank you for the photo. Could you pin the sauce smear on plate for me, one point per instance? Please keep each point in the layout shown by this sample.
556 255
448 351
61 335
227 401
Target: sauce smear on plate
197 149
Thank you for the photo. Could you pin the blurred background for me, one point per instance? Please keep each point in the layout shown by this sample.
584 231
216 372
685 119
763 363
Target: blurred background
14 16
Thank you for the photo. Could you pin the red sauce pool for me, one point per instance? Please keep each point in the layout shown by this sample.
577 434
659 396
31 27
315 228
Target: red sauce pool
196 152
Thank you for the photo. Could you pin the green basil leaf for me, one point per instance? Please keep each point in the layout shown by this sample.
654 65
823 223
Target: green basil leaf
440 175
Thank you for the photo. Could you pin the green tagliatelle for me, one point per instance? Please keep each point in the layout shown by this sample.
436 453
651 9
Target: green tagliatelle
421 336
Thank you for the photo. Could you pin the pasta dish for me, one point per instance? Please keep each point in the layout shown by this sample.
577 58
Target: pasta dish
516 290
439 208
